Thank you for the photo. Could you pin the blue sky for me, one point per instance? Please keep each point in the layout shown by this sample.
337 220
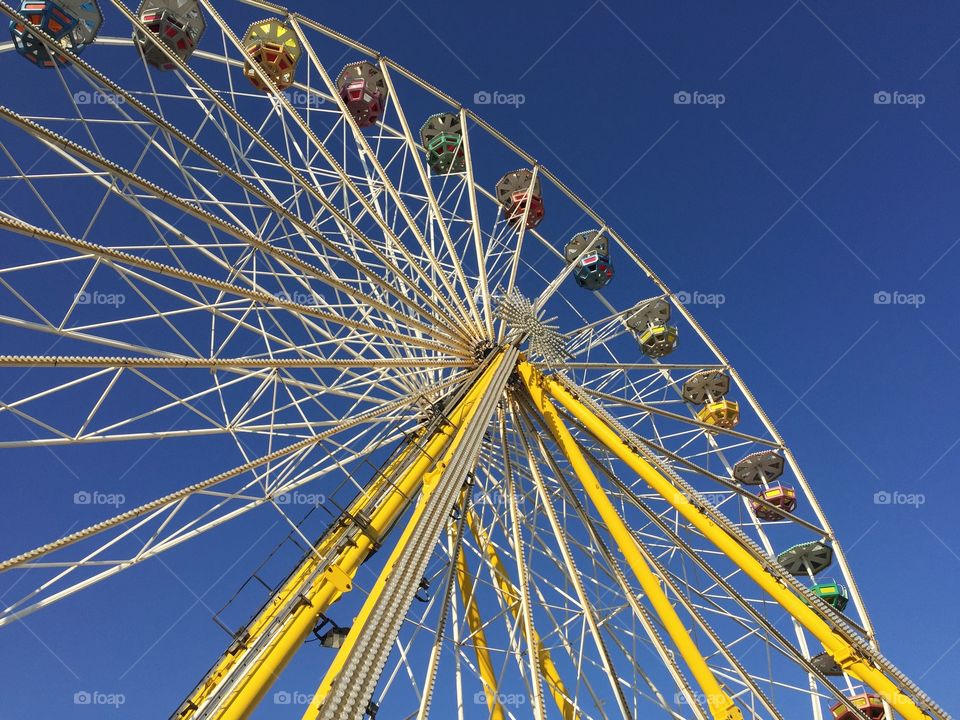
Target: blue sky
803 198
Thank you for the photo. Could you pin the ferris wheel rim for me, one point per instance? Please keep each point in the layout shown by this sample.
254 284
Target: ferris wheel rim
409 75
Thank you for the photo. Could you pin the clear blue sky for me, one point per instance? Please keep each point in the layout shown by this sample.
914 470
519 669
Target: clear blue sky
823 197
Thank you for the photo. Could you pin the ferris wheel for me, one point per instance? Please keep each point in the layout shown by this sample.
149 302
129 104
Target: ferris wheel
514 476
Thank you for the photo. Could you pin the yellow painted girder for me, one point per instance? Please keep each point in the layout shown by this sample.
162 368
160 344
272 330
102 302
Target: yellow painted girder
511 597
327 587
320 593
478 637
426 472
293 585
846 654
721 705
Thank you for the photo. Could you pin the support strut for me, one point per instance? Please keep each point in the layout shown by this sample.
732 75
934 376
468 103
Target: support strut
721 705
352 677
478 635
242 676
850 657
511 598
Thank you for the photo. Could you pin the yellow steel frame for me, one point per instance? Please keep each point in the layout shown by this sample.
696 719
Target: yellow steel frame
844 652
721 705
336 579
319 581
301 621
484 664
460 419
511 598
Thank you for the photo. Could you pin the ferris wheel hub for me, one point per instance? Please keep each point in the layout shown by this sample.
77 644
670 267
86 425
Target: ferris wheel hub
523 319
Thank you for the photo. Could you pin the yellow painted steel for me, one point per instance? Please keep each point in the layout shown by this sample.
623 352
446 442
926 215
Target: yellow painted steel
846 654
318 594
418 474
511 597
479 638
293 585
721 705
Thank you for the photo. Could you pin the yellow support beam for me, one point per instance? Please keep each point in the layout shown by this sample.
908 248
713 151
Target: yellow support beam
479 638
312 593
419 474
721 705
846 654
511 597
291 587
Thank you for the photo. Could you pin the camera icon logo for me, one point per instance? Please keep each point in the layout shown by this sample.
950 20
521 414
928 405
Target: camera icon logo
81 698
882 298
882 98
82 498
882 497
281 697
682 97
482 97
